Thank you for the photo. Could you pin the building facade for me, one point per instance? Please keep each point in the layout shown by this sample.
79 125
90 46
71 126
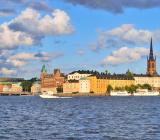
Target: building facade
50 82
99 83
77 75
143 79
84 85
16 88
71 86
36 88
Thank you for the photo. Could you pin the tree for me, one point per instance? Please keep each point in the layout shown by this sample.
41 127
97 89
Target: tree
146 86
109 89
26 85
129 74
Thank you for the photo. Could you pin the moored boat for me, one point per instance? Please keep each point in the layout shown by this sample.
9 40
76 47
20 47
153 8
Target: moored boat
145 92
120 93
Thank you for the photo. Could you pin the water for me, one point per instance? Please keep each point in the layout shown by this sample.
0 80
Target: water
89 118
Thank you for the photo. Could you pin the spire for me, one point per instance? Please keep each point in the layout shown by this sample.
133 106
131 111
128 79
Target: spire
43 70
151 51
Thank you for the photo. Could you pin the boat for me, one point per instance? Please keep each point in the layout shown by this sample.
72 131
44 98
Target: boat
120 93
50 95
145 92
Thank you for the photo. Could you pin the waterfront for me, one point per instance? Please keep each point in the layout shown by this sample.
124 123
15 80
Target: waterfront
86 118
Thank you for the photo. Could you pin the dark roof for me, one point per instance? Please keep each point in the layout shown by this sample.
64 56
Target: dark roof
84 72
11 79
144 75
73 81
114 76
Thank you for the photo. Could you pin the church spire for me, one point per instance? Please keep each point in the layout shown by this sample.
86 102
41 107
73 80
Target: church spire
151 51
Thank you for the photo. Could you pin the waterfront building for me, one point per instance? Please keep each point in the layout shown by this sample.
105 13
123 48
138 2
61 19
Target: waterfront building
144 79
7 88
99 83
84 85
151 62
16 88
71 86
77 75
50 82
36 88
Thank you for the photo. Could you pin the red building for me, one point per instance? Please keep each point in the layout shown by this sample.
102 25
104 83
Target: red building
50 82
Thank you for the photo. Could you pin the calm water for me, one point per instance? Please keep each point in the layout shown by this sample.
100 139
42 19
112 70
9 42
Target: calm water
90 118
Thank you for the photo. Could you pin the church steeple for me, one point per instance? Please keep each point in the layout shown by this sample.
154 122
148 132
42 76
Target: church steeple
151 62
151 51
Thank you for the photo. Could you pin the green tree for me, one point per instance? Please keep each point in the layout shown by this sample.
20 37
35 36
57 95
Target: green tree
147 86
26 85
109 89
129 74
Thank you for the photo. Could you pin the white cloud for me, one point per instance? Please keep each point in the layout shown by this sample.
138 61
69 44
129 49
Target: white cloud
23 58
6 71
10 39
125 55
126 34
30 27
58 23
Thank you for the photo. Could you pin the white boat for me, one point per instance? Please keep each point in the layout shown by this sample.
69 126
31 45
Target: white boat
50 95
120 93
145 92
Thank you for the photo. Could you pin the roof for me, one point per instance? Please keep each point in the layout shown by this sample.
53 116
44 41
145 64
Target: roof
83 78
84 72
43 70
114 76
73 81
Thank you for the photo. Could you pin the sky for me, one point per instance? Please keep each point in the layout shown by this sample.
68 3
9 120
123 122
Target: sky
77 35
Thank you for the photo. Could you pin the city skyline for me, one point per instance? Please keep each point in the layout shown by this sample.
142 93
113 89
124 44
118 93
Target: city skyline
73 35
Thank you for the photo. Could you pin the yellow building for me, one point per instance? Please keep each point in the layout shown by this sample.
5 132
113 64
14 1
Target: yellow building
99 83
71 86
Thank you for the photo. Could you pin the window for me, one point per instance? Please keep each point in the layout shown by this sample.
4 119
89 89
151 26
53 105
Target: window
152 65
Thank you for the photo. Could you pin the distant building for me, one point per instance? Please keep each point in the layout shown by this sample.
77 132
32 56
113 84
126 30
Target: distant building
99 83
144 79
84 85
50 82
36 88
151 62
7 88
76 75
16 88
71 86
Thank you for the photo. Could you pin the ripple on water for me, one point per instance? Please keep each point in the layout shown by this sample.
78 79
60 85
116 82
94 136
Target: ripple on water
90 118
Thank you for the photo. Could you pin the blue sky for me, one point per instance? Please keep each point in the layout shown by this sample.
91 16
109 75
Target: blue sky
73 35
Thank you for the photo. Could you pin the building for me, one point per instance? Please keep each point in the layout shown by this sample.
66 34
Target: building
151 62
71 86
50 82
7 88
36 88
84 85
77 75
143 79
16 88
99 83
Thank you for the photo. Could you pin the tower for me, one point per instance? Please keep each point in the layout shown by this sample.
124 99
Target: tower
151 62
43 73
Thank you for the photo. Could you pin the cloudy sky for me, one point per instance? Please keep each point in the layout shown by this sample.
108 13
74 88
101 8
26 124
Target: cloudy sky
77 34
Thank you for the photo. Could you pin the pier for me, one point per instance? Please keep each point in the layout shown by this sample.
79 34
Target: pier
15 94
